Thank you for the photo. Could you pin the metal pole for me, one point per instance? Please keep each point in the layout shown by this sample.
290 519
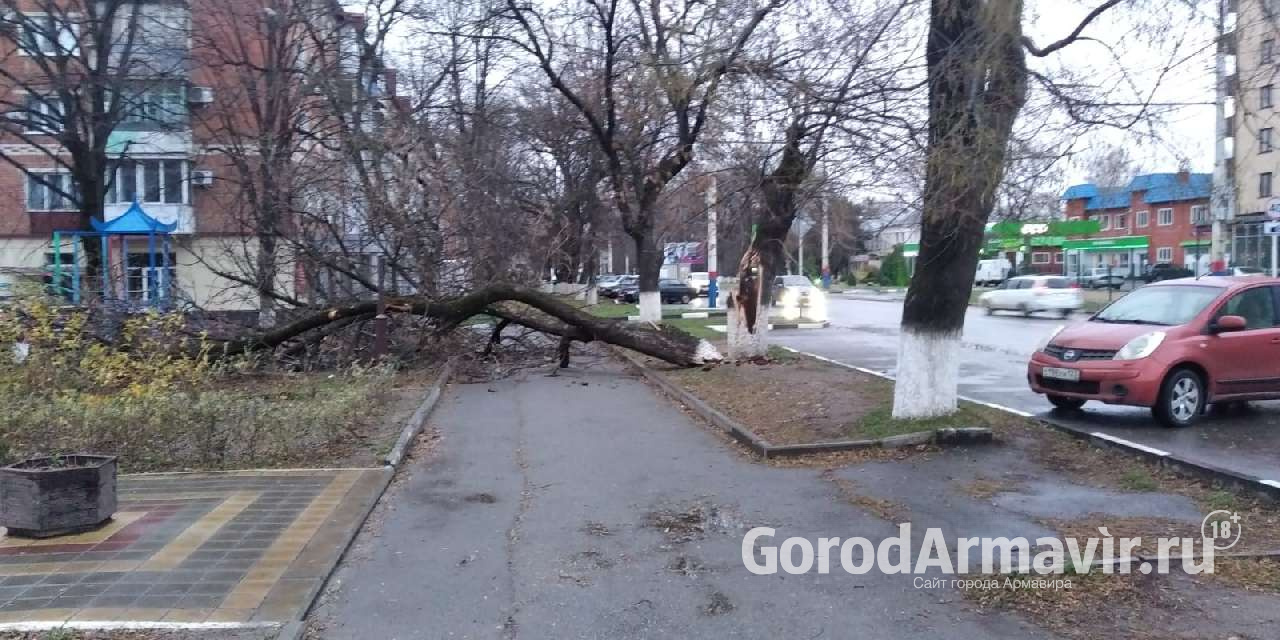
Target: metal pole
75 269
106 268
56 280
1274 239
713 288
801 256
380 320
826 245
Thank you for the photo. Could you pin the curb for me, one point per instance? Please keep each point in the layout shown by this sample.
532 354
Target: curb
722 328
419 418
715 313
296 629
766 450
1202 470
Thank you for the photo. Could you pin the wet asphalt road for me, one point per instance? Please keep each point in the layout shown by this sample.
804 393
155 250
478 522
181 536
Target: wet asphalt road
864 333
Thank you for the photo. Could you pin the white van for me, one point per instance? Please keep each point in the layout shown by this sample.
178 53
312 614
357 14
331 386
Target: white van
992 272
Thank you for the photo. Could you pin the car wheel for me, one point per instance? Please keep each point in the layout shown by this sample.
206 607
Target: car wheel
1181 400
684 299
1026 311
1064 313
990 310
1063 402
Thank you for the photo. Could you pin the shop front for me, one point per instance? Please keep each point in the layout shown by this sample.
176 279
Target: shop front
1125 255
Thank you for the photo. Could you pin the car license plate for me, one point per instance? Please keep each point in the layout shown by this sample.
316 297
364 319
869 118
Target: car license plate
1059 373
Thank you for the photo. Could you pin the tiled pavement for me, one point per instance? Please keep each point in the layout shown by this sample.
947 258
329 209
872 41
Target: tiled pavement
239 547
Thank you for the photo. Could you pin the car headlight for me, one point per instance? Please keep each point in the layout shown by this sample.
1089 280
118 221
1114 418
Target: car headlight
1049 338
1141 346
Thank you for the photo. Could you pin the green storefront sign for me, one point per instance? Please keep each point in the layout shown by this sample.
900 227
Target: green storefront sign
1121 243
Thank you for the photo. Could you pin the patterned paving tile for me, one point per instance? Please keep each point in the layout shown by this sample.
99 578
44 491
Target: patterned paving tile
193 548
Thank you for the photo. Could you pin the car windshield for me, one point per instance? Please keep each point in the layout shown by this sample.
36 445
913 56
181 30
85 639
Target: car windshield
1249 270
1168 305
795 281
1058 283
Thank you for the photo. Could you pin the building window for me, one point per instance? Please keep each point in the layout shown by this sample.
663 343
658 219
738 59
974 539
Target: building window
48 35
1264 184
1142 219
1040 257
151 181
47 191
43 114
1200 214
1264 140
1164 217
1104 222
156 107
1268 51
1121 221
1164 254
1057 258
144 283
1264 97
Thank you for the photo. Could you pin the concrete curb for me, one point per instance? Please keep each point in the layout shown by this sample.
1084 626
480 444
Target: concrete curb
781 326
419 418
767 450
295 630
1202 470
713 313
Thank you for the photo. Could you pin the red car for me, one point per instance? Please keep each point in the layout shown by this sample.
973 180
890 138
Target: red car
1174 346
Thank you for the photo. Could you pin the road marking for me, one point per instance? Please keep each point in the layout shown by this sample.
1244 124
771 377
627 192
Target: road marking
1271 483
696 314
1129 443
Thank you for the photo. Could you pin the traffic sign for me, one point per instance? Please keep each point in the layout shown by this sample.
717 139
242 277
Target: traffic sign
1273 209
1271 228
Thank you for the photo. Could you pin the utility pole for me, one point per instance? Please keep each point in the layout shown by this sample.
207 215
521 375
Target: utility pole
826 244
1224 192
713 289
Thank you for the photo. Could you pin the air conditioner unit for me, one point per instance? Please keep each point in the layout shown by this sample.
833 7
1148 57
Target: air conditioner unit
200 95
202 178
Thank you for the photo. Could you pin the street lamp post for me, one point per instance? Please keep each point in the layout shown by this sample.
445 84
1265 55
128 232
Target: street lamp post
713 288
826 245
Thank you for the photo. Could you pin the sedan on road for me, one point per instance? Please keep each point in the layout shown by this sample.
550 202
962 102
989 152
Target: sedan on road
1173 346
670 292
1030 294
610 289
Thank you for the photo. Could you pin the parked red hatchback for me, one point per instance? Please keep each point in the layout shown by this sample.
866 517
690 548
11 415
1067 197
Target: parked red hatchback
1174 346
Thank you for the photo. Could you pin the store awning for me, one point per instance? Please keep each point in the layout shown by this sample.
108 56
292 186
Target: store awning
1119 243
1203 242
910 249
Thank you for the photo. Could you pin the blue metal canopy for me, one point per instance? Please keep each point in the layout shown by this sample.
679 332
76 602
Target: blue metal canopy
135 221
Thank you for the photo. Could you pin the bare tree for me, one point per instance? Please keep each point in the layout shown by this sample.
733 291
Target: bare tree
656 72
978 84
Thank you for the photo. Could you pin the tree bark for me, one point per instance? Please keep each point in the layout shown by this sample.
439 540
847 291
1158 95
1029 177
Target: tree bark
555 318
977 86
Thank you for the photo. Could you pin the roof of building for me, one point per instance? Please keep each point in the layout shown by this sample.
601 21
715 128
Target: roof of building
1157 188
133 221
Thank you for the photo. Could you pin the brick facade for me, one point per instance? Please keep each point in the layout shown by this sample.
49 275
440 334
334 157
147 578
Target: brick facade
1163 209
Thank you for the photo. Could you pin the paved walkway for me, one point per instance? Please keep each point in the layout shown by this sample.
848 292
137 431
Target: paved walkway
247 547
584 506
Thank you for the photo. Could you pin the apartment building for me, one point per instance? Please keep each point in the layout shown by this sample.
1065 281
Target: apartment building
1156 218
1250 48
194 88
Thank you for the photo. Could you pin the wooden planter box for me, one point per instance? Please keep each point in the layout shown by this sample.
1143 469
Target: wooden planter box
45 497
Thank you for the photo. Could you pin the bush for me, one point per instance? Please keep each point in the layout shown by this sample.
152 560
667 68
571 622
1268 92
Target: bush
155 397
893 270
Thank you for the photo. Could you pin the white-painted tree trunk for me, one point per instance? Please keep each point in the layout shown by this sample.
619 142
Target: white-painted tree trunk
743 343
593 295
928 369
650 306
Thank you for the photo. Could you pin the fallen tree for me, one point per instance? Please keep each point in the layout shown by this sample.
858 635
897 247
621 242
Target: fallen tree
508 303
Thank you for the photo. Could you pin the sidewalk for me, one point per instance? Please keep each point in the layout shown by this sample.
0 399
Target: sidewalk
583 505
536 518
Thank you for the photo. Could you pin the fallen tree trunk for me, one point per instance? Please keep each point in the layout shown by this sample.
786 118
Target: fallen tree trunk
546 313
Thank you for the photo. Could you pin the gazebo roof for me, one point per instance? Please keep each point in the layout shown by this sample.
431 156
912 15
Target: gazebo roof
133 221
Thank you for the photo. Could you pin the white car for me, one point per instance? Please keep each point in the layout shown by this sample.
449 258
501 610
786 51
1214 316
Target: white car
700 281
1031 294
